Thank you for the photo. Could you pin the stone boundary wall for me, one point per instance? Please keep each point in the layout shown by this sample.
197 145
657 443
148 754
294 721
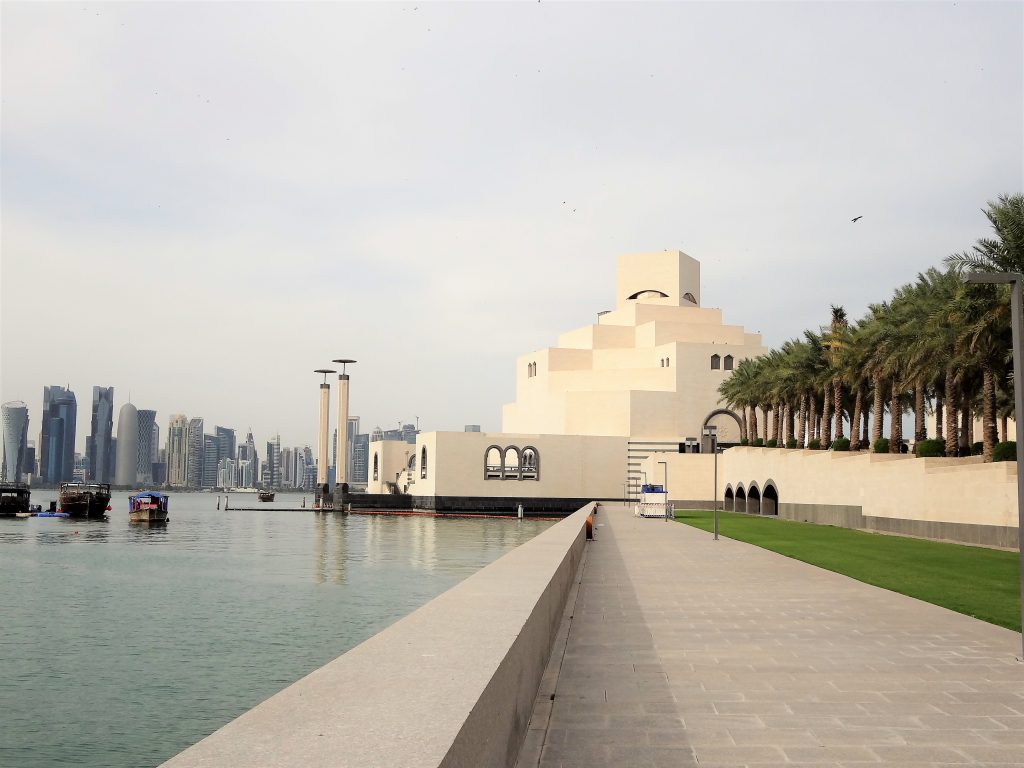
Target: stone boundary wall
452 684
504 505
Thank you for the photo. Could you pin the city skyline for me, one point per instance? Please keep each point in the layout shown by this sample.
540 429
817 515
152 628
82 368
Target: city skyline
265 182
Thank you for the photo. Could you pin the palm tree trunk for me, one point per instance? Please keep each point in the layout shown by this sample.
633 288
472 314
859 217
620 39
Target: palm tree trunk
865 437
764 413
988 412
858 405
826 419
780 416
938 416
752 435
743 424
919 434
965 426
877 408
1002 428
895 420
952 443
802 431
837 401
812 418
788 419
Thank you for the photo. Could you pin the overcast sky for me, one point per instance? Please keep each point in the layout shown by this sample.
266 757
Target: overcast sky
203 202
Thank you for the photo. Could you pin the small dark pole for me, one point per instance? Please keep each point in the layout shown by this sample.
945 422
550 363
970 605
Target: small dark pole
1014 279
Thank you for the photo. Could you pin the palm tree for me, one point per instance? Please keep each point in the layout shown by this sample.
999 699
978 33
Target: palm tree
836 339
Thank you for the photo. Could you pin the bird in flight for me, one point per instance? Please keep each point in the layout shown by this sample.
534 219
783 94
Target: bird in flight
854 219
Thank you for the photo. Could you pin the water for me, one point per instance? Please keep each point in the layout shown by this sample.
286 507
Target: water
121 645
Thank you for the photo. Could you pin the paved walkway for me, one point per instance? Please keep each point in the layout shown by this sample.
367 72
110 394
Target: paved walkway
678 650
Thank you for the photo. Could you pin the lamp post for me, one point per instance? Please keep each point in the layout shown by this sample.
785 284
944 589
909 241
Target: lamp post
321 454
1014 280
712 433
664 485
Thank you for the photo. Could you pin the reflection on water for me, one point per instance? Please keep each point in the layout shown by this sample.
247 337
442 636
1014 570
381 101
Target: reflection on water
140 640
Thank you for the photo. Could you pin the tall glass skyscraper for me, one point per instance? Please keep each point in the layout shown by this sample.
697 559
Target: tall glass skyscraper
144 454
98 444
57 438
15 440
194 459
177 451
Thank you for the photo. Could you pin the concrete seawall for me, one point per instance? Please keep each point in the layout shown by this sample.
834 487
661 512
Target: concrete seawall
451 684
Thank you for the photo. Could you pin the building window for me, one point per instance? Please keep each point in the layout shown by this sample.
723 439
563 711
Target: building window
728 362
423 463
661 362
492 463
531 464
510 460
716 362
667 362
375 466
689 298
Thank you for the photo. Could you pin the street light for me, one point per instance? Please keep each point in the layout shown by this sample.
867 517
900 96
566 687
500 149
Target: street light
712 433
1014 280
664 486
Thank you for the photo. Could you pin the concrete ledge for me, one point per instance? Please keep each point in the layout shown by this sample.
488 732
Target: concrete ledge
533 506
452 684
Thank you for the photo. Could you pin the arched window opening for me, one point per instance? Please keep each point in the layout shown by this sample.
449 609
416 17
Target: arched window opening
531 464
729 498
511 463
740 502
689 297
667 362
649 293
770 500
661 362
376 467
716 362
412 464
754 500
492 463
728 362
423 463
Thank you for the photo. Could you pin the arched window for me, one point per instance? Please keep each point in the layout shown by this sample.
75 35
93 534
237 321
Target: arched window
689 298
650 293
492 463
728 362
531 464
511 463
667 362
423 463
412 463
716 362
661 362
376 466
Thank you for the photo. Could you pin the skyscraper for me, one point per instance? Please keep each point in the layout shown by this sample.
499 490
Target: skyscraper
353 430
97 446
226 446
177 451
15 440
361 459
194 454
57 438
250 467
144 455
126 469
210 450
273 463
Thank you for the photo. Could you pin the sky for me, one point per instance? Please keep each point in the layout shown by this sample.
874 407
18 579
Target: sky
202 203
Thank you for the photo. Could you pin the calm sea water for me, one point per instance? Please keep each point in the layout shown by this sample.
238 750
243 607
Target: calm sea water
121 645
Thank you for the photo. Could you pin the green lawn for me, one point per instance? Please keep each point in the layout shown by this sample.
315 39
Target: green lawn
984 583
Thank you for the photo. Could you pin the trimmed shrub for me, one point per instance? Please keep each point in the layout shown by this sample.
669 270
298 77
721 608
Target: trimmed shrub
744 441
977 449
814 445
842 444
772 443
759 443
927 449
1005 451
881 445
791 443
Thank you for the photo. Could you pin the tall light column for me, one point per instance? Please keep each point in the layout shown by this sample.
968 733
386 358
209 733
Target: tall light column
322 437
341 469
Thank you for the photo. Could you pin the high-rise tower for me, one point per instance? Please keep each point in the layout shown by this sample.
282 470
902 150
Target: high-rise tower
15 440
126 471
144 456
57 438
98 445
177 451
194 458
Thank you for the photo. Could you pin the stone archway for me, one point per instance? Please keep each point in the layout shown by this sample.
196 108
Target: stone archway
770 499
729 500
725 440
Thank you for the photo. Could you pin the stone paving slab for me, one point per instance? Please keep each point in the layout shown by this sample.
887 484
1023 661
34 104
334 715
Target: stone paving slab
677 650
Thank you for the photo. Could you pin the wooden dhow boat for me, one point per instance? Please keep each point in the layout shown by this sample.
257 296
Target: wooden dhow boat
147 507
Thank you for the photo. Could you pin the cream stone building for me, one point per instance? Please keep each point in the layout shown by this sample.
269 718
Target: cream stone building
648 370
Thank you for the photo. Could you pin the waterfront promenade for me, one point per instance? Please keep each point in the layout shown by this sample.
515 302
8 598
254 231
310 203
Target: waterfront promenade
679 650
